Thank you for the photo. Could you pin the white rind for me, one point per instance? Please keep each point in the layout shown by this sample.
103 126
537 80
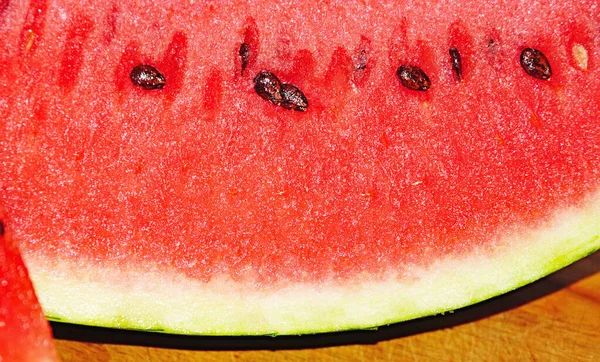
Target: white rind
115 297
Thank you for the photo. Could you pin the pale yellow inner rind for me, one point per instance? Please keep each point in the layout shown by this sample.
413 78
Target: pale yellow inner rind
98 294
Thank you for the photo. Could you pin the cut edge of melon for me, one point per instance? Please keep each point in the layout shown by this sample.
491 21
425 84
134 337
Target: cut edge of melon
172 303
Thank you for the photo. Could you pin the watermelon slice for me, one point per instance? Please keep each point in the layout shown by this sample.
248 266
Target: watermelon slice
271 167
24 332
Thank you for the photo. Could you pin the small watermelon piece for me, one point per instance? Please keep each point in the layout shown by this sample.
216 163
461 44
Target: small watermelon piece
24 332
284 167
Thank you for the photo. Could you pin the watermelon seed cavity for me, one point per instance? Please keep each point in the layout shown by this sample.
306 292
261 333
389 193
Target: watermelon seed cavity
535 63
456 63
147 77
413 77
1 228
3 6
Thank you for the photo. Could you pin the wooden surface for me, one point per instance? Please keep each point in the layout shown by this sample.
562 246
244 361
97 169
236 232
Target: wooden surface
555 319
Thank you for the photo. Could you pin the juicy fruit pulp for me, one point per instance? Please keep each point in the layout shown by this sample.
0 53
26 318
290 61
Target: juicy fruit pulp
24 333
376 204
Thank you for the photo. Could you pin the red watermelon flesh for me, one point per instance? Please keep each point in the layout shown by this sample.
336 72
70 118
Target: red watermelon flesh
24 332
201 207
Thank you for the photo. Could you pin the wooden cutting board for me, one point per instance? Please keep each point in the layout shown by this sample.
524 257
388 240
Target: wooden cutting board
554 319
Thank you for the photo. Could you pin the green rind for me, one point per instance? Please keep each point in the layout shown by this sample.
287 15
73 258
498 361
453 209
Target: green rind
101 295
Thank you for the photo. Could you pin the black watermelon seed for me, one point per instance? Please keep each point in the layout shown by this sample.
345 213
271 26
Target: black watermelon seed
268 86
288 96
244 53
360 63
413 77
535 63
147 77
456 63
1 228
293 98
